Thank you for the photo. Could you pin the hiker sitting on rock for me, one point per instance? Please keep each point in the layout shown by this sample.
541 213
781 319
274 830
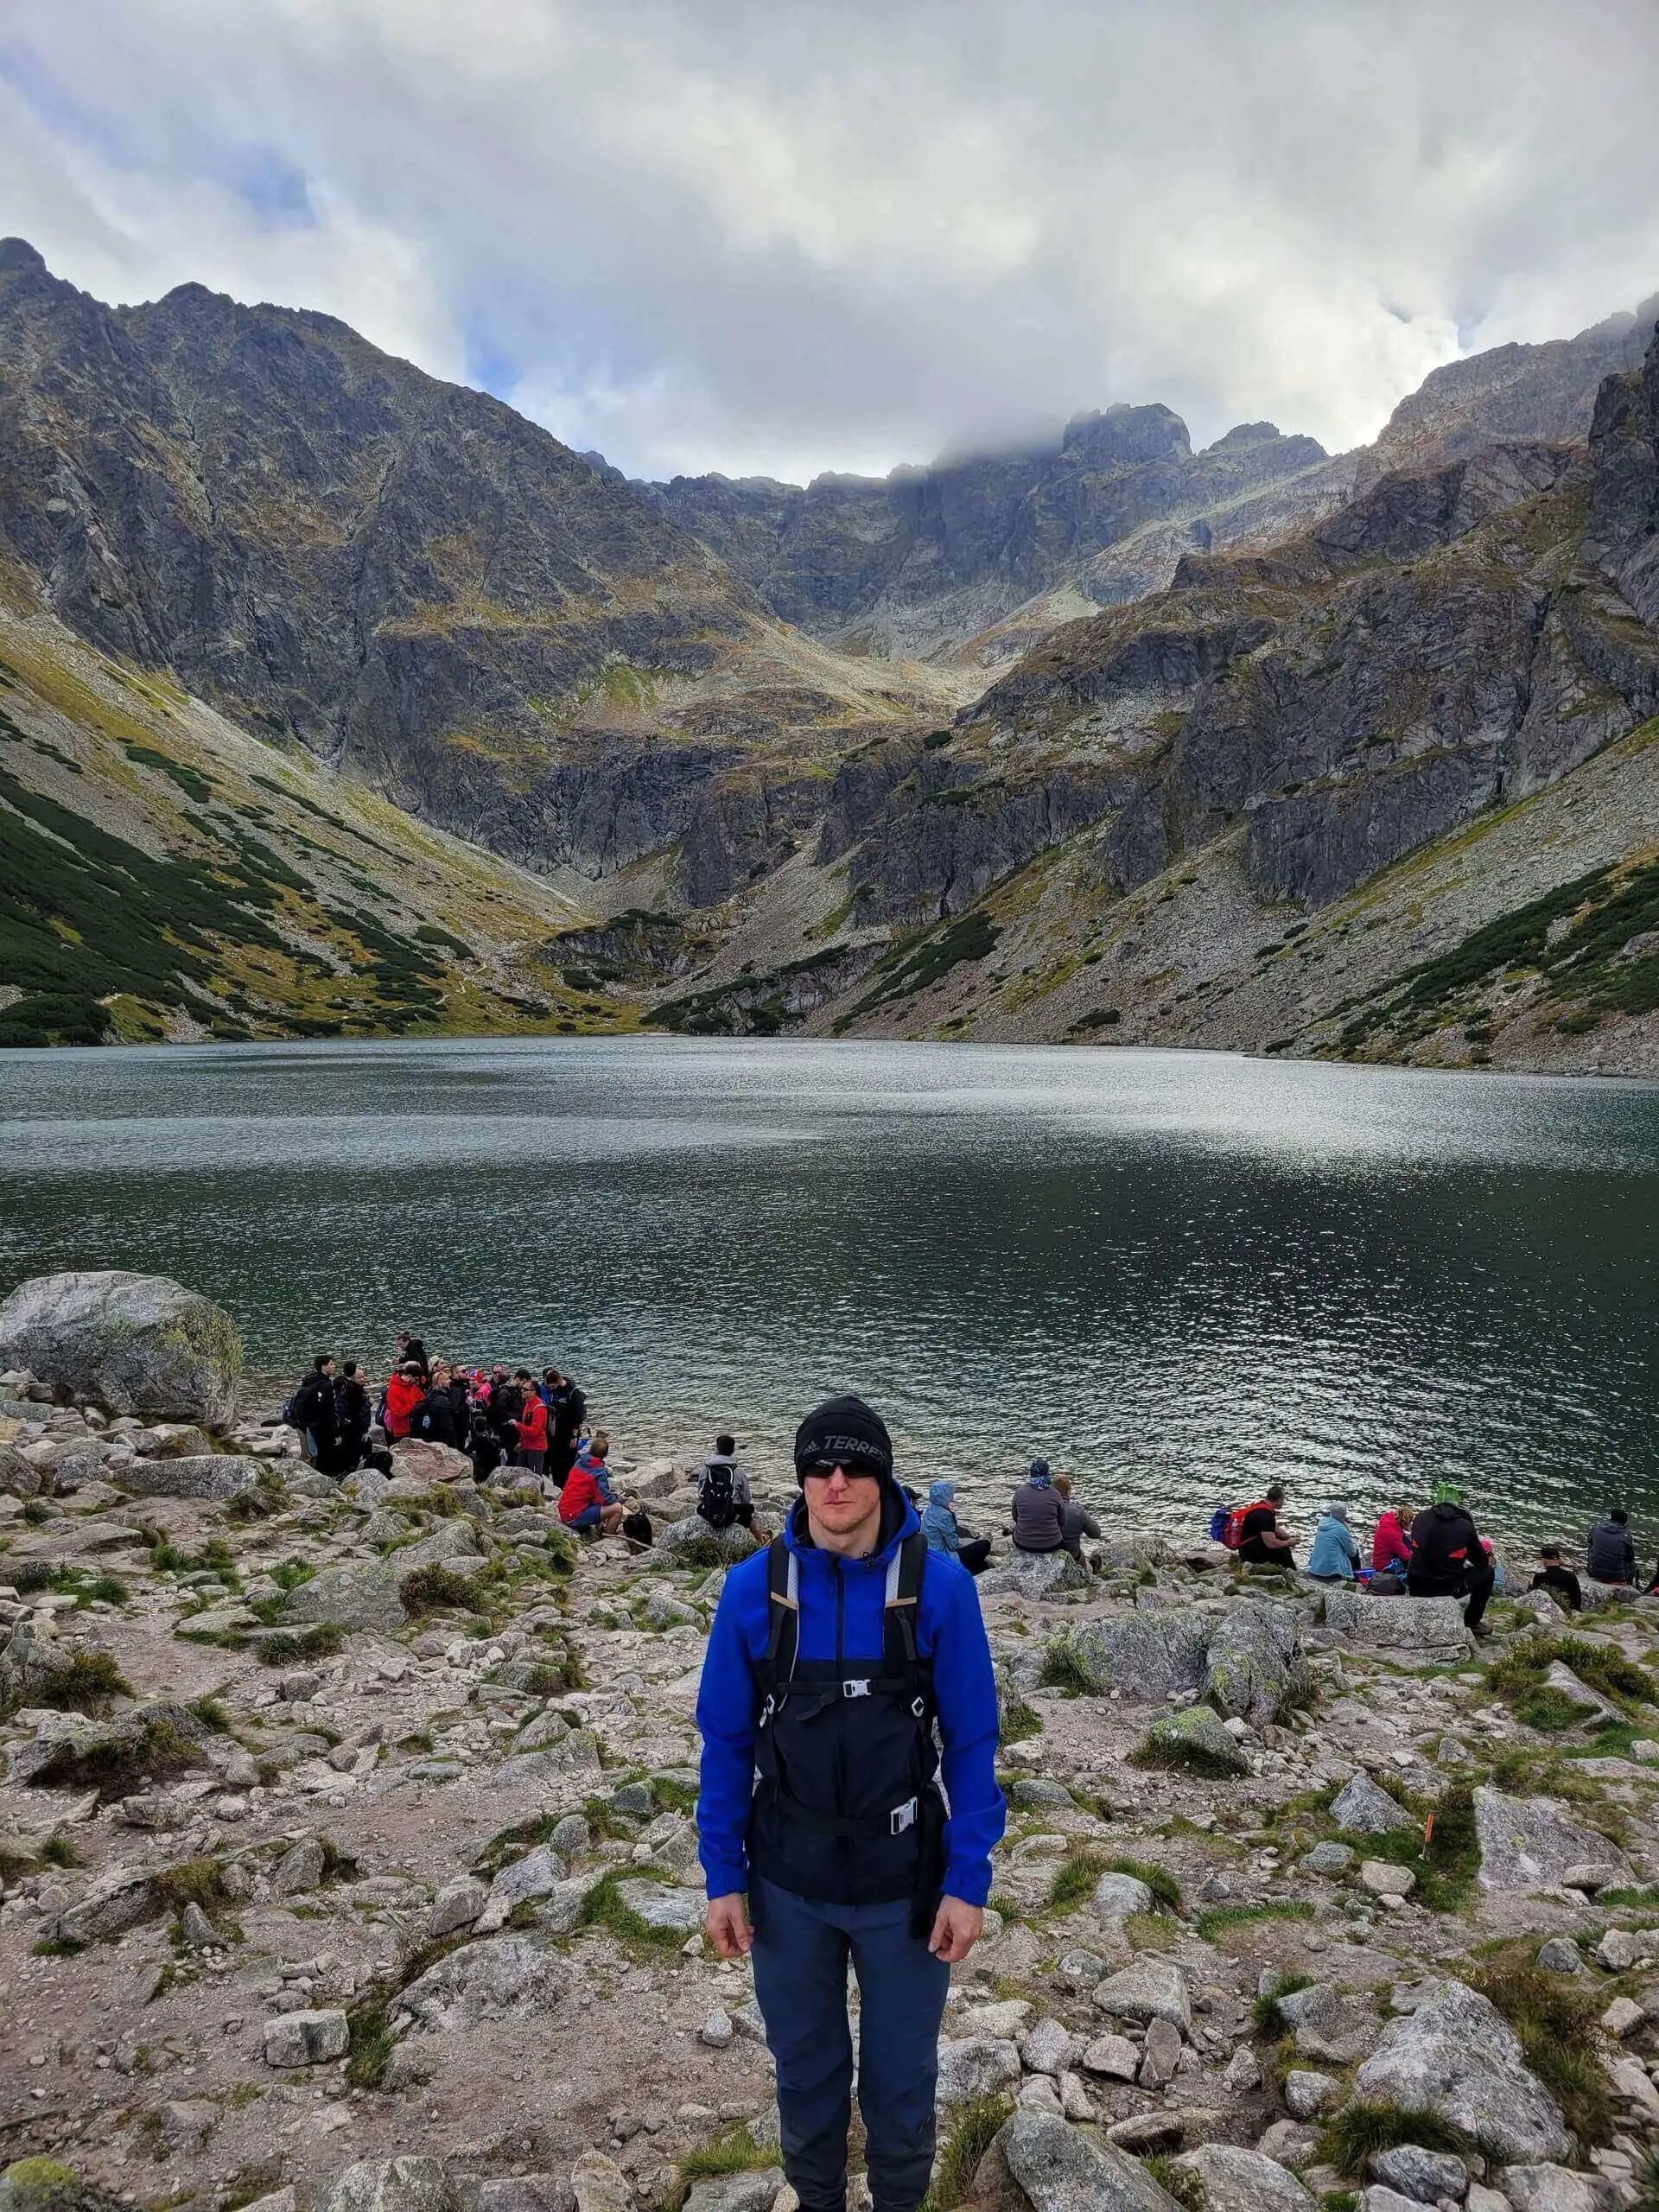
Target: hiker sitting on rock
1334 1555
940 1526
1558 1578
1610 1555
833 1654
723 1488
1039 1512
1446 1560
1079 1521
1261 1541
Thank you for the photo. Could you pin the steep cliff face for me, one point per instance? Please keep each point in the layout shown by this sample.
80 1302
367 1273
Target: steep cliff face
401 576
933 556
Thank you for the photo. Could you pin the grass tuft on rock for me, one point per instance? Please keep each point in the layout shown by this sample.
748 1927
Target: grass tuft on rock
976 2125
1075 1878
1555 2024
1178 2182
1162 1884
84 1683
1064 1670
1266 2018
1353 2137
1446 1861
320 1640
1216 1919
438 1589
602 1907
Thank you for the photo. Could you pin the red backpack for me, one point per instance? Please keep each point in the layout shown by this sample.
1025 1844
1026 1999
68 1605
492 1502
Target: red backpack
1235 1536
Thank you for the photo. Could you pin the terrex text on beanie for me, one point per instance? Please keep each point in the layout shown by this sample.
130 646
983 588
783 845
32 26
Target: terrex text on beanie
847 1431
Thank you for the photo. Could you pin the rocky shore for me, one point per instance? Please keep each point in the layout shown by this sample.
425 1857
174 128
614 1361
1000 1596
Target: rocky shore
349 1865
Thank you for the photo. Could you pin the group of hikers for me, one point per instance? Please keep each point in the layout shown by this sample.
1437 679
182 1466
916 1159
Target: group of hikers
1436 1552
497 1417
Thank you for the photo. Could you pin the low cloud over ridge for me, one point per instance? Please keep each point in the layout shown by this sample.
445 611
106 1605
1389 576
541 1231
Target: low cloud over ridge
778 236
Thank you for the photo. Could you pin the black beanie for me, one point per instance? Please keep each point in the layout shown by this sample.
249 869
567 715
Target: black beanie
847 1430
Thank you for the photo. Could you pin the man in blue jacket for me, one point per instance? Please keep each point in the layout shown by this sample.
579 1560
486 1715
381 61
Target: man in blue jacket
832 1655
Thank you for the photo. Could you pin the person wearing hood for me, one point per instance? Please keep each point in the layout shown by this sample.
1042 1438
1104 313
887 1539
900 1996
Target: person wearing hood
1334 1555
1039 1512
939 1527
404 1393
1446 1559
1391 1540
834 1654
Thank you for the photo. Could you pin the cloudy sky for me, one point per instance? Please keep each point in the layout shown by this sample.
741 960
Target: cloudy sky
779 236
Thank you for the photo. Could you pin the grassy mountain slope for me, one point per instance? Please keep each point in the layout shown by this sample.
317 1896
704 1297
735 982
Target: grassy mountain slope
165 874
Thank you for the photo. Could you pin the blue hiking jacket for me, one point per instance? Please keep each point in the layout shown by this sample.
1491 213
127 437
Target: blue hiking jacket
939 1527
1335 1550
949 1631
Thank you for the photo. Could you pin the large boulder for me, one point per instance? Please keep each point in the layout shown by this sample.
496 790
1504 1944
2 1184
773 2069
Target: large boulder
1061 2170
1255 1667
216 1475
20 1477
1457 2056
1193 1738
971 2067
1426 1629
1329 2026
1034 1574
504 1978
1532 1843
415 1461
692 1542
1235 2180
131 1343
390 2185
1152 1989
1140 1656
1363 1807
353 1596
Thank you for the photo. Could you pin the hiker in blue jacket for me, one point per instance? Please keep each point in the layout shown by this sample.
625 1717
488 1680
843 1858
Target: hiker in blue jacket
833 1653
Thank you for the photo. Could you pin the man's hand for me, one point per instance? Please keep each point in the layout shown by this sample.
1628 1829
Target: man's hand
956 1931
726 1926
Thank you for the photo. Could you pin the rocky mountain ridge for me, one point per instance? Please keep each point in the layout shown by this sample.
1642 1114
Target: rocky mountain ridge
978 556
1255 777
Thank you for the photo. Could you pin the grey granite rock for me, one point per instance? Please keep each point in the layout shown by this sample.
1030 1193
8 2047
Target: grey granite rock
1235 2180
1532 1843
1060 2170
132 1343
1457 2056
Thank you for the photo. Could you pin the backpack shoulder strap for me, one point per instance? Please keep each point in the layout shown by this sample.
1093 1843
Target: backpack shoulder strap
904 1595
784 1607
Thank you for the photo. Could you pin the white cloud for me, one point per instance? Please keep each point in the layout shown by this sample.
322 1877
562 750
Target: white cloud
780 235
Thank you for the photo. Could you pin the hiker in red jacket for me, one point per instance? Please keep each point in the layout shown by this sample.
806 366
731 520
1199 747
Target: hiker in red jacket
404 1393
583 1503
530 1427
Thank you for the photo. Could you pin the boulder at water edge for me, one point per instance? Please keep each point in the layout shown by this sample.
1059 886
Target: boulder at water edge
1457 2056
130 1343
1034 1574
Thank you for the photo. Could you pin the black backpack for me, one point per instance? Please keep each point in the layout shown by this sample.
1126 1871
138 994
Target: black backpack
717 1495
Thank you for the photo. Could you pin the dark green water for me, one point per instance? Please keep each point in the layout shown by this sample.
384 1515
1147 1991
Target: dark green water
1179 1275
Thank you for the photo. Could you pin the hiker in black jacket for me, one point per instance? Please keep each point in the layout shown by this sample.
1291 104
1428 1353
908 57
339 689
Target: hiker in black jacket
313 1412
353 1411
1610 1553
434 1419
1446 1560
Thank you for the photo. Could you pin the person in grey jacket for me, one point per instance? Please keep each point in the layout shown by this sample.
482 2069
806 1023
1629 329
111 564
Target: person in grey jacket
1611 1550
1039 1512
1079 1521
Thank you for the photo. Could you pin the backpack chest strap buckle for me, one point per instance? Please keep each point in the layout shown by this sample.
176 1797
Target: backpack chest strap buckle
903 1817
857 1686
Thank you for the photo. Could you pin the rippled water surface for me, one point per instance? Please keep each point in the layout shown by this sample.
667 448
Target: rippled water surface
1179 1274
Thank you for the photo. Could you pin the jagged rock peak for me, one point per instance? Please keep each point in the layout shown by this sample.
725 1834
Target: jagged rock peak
1123 436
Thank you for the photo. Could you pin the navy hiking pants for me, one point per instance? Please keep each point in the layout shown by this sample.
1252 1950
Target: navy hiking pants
800 1956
